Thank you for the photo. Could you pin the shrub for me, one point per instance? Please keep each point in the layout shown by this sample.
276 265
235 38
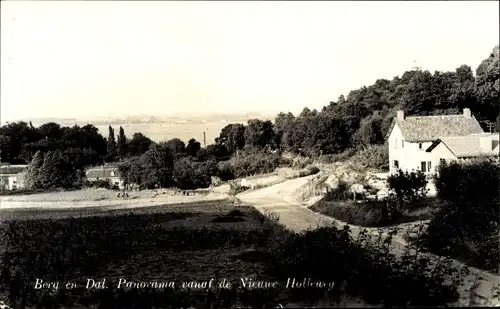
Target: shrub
363 267
467 225
312 169
190 174
408 186
338 157
254 162
341 192
374 156
101 183
236 188
225 171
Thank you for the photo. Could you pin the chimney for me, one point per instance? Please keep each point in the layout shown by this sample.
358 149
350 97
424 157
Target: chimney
467 113
486 143
400 115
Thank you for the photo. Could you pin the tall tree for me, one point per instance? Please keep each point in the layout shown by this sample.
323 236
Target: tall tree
34 169
122 143
111 149
193 147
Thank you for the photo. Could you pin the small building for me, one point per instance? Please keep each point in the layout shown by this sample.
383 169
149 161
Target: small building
410 137
12 177
110 173
456 148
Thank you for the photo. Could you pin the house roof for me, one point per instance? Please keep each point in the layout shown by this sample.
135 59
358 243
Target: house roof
12 169
469 146
100 172
430 128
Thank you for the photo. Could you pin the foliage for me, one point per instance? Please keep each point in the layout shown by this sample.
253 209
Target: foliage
236 188
232 137
369 214
363 267
190 174
55 171
111 145
338 157
153 169
467 225
93 247
373 156
260 134
101 183
121 143
254 162
409 187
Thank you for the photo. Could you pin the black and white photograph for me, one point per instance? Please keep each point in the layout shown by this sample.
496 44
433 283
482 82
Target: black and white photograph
249 154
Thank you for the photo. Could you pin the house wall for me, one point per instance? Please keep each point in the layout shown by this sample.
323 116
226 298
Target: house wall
441 152
407 154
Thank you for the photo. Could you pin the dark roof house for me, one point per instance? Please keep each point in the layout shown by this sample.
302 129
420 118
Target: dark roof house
431 128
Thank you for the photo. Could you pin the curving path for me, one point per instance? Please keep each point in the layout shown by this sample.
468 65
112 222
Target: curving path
280 199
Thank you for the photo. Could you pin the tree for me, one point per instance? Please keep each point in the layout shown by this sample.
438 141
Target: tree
34 169
111 149
190 174
139 144
488 86
193 147
260 134
283 127
175 145
370 131
232 137
122 146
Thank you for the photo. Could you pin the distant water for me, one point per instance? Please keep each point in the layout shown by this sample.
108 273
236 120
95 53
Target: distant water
164 131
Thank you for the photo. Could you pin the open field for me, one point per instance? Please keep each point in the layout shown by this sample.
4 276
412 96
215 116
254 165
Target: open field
182 244
164 131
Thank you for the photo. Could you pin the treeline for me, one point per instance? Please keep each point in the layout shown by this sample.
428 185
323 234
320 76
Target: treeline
357 121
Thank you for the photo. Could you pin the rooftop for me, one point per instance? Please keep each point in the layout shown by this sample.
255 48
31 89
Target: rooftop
102 172
470 145
12 169
430 128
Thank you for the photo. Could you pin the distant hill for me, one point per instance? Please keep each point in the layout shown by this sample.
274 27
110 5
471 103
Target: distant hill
166 119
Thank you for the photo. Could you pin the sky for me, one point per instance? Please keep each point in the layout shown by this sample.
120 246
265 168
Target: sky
81 59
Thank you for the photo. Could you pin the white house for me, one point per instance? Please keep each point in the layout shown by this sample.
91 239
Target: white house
105 173
413 141
12 177
465 147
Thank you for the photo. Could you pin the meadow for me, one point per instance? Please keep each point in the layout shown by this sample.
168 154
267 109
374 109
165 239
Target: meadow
159 250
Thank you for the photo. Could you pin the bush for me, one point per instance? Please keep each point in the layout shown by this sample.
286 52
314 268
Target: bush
374 156
363 267
338 157
408 186
101 183
225 171
341 192
254 162
467 225
236 188
190 174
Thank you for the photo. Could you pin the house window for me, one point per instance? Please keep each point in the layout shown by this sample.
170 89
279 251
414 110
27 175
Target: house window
402 143
117 183
112 173
396 143
420 146
423 166
429 166
442 161
396 164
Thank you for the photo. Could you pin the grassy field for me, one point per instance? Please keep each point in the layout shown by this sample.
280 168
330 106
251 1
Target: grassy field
189 243
164 131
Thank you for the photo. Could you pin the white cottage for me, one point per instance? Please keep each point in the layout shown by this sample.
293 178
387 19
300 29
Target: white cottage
414 141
